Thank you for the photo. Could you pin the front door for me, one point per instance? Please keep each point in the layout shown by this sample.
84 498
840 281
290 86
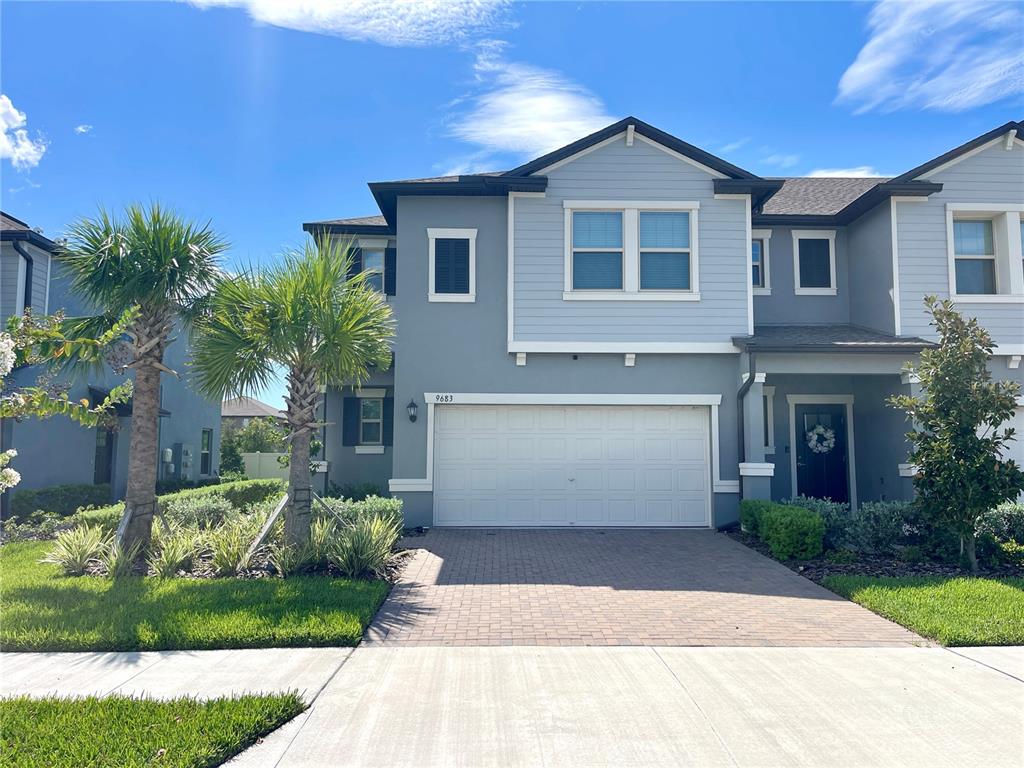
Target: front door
821 452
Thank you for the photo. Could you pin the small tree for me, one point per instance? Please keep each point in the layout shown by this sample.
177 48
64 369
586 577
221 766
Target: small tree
260 436
231 462
957 435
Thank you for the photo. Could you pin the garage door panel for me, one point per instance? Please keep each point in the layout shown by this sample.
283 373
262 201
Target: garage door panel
571 465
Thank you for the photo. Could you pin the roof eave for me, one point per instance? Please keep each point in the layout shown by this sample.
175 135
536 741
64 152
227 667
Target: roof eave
30 236
318 227
760 190
855 208
386 193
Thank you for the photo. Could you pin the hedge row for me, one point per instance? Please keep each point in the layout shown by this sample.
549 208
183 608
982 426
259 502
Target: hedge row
790 532
62 500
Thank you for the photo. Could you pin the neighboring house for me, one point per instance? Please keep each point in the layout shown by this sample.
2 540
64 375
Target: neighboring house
631 331
237 412
58 451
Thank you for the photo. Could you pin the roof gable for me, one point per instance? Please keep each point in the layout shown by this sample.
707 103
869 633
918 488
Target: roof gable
925 170
634 128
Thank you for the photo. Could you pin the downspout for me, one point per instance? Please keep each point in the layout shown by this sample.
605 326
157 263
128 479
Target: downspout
740 395
29 266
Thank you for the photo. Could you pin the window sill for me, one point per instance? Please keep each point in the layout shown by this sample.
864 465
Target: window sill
816 292
987 298
762 291
631 296
462 298
378 449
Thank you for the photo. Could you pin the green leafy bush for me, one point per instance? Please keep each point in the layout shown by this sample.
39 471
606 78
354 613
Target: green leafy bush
879 526
172 552
118 560
750 514
77 549
1004 523
792 532
288 559
62 500
322 533
364 549
228 543
348 511
197 511
835 514
355 491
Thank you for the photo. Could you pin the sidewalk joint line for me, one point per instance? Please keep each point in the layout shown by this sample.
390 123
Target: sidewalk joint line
982 663
159 659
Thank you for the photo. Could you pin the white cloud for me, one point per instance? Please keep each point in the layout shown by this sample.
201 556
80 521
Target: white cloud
781 160
15 143
83 129
388 22
522 109
860 171
735 145
945 56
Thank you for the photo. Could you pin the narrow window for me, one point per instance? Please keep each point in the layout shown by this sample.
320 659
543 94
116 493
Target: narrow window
371 420
815 263
103 467
597 250
664 251
373 265
757 262
206 452
975 255
451 265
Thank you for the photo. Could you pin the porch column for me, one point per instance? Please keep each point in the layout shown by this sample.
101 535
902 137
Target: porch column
755 472
912 387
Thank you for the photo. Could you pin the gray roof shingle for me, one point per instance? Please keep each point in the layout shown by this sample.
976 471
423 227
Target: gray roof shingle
355 221
818 196
827 338
248 407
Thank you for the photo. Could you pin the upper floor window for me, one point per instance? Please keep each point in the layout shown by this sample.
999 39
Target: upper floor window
814 262
985 259
373 265
760 274
452 266
975 254
371 420
631 251
206 452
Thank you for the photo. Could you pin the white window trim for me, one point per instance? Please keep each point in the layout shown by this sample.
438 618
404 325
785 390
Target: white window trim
380 246
371 394
433 233
769 405
370 449
815 234
851 457
631 210
1001 215
202 431
765 235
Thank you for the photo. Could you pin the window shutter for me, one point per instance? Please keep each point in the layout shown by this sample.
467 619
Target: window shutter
357 263
389 421
350 421
442 266
451 265
460 266
390 264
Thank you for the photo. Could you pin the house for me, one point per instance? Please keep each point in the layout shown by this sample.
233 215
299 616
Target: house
237 412
630 331
58 451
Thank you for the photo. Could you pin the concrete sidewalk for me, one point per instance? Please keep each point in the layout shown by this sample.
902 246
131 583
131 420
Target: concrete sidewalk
543 706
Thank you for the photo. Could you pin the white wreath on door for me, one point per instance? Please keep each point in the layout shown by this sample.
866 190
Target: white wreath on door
821 439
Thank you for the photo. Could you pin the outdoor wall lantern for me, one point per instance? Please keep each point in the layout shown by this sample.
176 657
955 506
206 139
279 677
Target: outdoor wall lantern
412 408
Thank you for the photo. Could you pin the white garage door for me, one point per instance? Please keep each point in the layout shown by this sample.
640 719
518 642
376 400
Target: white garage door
536 465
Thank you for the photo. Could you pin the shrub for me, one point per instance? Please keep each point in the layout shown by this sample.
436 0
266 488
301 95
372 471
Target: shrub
1004 523
106 518
118 560
204 511
364 549
792 532
62 500
38 525
172 552
1012 553
835 514
228 543
355 491
878 526
750 514
76 549
231 461
322 533
288 559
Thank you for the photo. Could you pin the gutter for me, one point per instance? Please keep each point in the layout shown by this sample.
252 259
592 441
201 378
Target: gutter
29 269
741 395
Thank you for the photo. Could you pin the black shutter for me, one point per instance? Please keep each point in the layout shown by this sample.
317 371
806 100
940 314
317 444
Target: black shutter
390 264
357 262
350 421
442 265
389 421
460 266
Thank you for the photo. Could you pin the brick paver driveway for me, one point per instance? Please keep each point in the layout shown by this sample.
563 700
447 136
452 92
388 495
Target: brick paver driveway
612 587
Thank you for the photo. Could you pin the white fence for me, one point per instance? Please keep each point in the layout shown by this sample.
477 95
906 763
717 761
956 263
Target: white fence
260 466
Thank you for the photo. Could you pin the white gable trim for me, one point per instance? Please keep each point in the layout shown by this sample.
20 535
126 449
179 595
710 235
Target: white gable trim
939 169
566 160
711 171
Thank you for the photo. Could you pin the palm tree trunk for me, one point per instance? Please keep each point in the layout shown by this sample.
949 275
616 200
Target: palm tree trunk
302 399
140 499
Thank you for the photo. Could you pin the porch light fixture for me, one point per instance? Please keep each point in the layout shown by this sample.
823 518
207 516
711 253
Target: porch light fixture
411 408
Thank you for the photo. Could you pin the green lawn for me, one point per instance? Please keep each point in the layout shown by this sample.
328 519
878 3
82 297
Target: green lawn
40 610
126 732
954 611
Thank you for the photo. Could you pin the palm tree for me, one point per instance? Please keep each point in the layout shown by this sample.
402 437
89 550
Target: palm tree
309 317
155 262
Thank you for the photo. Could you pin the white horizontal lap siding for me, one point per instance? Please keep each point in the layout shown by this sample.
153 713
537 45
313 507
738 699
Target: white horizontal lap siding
618 172
994 175
572 465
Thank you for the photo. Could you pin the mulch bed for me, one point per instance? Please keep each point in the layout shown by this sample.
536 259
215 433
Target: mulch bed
867 565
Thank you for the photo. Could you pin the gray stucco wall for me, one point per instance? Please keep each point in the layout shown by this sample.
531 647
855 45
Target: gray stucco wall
869 244
618 172
994 175
346 466
783 306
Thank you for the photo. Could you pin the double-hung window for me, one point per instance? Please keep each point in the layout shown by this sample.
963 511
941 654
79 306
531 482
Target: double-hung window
630 251
985 259
206 452
814 262
760 271
371 421
597 250
373 266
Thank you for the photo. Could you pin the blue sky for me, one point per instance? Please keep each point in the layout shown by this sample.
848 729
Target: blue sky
262 114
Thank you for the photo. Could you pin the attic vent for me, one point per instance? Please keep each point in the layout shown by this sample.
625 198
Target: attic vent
629 134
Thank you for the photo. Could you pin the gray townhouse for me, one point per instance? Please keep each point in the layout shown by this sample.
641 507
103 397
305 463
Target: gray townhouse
630 331
58 451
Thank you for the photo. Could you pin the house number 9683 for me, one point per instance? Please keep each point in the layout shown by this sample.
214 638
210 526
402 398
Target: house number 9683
444 398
